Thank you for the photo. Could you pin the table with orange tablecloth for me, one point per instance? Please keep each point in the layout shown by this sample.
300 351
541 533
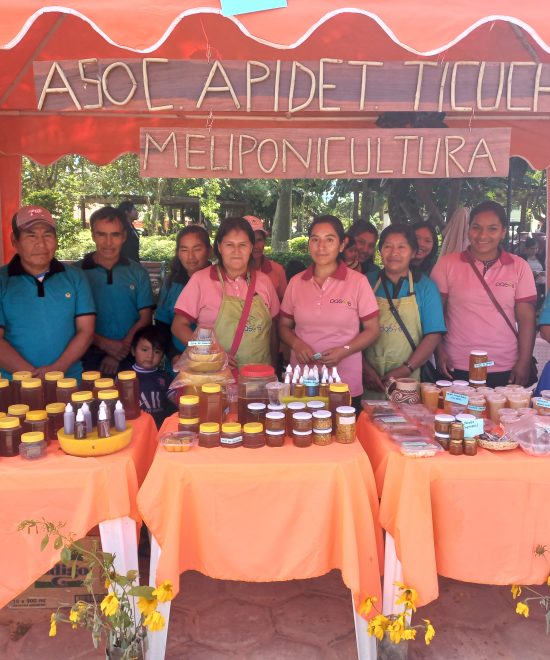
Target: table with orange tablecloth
471 518
263 515
82 493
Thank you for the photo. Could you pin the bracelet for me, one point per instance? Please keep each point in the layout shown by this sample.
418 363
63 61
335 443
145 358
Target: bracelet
409 366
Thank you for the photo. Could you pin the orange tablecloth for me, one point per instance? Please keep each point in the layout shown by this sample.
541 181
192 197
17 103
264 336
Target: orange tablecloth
81 492
265 514
471 518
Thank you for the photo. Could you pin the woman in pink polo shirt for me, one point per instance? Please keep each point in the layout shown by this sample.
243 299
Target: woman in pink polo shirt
215 297
329 308
473 321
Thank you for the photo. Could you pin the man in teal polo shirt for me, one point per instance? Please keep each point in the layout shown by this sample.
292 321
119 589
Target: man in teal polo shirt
47 310
122 294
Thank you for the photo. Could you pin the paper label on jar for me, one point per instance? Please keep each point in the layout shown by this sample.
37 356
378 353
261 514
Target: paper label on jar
392 419
231 441
453 397
199 342
472 428
346 420
477 365
476 408
542 403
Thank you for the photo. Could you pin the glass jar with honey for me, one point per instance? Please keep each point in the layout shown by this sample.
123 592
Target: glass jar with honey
50 385
128 388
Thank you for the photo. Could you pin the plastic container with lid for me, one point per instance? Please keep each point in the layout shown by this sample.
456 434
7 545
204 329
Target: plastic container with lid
78 399
302 438
251 385
188 424
345 424
302 421
50 385
32 445
293 407
253 435
16 378
322 420
55 413
104 384
109 397
18 410
189 406
209 435
88 380
128 388
211 403
322 436
276 407
32 393
10 436
312 406
36 420
6 395
231 435
255 412
338 395
178 441
275 421
65 387
274 438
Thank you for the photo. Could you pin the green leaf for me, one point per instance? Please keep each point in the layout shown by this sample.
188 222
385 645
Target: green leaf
132 575
44 542
73 569
142 591
66 556
58 543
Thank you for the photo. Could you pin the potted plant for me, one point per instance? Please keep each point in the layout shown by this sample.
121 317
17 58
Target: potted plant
123 617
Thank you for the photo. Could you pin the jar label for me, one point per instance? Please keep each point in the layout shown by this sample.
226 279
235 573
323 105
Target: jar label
476 408
453 397
393 419
199 342
346 420
484 364
231 441
542 403
472 427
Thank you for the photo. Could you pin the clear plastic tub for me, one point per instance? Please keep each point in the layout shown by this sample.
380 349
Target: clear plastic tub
178 441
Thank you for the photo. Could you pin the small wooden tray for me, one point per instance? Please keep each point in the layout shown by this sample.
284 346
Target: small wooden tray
94 446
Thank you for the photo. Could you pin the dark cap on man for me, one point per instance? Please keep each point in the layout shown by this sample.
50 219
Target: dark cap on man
31 215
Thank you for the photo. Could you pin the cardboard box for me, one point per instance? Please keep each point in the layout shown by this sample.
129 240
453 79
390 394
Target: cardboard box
57 588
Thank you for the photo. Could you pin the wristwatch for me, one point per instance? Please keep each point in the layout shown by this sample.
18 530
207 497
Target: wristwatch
409 366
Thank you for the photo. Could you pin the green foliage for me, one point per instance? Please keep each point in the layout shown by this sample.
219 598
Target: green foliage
59 205
80 244
157 248
299 245
284 257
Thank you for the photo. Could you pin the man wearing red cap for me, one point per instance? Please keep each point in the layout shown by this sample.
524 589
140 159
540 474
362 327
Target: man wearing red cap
47 312
271 268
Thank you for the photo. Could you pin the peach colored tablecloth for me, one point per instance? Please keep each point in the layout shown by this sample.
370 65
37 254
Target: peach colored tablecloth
265 514
81 492
471 518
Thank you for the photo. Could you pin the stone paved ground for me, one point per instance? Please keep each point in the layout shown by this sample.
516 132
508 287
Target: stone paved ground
298 620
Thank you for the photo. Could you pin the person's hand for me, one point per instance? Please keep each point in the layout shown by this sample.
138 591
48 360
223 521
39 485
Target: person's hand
520 372
303 352
39 372
332 357
371 379
398 372
117 349
444 362
109 366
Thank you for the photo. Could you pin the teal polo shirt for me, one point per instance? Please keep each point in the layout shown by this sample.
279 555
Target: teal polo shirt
164 313
39 317
544 318
119 294
427 295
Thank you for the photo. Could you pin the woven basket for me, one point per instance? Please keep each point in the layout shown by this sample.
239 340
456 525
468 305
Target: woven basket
497 446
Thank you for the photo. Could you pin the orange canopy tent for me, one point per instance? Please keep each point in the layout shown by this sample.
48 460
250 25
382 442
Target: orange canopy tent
384 30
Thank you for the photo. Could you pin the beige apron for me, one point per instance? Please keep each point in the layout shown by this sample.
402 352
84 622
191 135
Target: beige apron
255 343
392 348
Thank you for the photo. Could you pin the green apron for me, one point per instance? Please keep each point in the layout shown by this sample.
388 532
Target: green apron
255 343
392 348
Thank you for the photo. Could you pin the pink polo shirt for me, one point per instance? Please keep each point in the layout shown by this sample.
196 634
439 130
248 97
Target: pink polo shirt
201 297
276 274
329 316
471 318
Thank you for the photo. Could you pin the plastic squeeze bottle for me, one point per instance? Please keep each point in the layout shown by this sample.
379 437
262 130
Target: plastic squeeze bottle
120 417
68 420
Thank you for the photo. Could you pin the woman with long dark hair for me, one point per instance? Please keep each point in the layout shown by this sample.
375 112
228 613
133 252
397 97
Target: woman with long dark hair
428 246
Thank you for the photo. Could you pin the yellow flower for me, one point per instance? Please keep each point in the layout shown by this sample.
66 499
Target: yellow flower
409 633
154 621
430 632
516 590
548 580
164 592
396 629
107 583
74 616
146 606
407 597
366 605
109 605
522 609
53 626
377 626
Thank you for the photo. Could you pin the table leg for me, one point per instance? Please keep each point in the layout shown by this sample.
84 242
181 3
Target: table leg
366 644
156 641
393 572
119 537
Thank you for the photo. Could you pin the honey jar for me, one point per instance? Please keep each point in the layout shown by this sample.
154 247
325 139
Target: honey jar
231 435
302 438
209 435
274 438
275 421
478 374
345 424
302 421
253 436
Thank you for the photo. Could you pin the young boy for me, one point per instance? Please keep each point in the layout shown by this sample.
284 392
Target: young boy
148 348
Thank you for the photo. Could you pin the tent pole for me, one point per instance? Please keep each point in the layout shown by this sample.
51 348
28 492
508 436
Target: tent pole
10 201
547 225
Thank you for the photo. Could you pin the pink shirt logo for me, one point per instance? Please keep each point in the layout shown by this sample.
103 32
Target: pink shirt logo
509 284
340 301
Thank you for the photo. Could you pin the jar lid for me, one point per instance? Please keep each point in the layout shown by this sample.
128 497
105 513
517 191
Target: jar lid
322 414
296 405
126 375
460 383
478 352
276 415
65 383
36 415
84 395
274 432
9 423
315 404
275 406
213 388
443 383
104 383
53 408
256 406
253 427
31 383
444 418
545 394
346 410
302 432
107 394
301 416
464 417
18 409
90 375
32 436
257 371
189 400
55 375
338 387
189 420
209 427
231 427
21 375
4 382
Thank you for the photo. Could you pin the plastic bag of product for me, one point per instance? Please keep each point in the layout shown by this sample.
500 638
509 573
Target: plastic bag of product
204 354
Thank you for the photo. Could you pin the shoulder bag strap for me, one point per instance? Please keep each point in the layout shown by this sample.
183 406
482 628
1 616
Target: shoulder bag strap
491 295
396 315
244 316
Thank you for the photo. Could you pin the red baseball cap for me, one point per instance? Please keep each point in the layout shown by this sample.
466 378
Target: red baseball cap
30 215
255 223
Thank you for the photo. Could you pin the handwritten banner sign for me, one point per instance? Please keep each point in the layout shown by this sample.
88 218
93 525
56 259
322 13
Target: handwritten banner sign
328 85
324 153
